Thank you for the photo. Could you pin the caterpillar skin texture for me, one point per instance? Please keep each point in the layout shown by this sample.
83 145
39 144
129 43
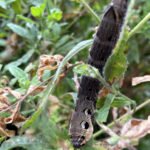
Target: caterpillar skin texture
81 125
107 34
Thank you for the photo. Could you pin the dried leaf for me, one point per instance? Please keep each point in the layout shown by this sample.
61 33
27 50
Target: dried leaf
16 94
35 89
48 62
136 128
15 116
4 131
139 80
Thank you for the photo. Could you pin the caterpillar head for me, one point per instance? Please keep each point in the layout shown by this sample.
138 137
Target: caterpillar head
81 127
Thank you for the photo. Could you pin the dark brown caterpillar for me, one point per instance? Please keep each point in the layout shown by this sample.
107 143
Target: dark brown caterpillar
81 127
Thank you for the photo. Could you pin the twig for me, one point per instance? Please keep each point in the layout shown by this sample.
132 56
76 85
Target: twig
147 102
139 26
108 130
91 10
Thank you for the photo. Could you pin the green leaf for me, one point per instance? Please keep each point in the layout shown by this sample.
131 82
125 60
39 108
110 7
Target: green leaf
20 30
115 67
17 6
104 111
4 3
85 69
120 102
21 76
17 141
55 14
21 141
35 81
37 11
31 120
28 20
2 42
24 59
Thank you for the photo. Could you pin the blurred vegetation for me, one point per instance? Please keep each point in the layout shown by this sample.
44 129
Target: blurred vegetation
31 28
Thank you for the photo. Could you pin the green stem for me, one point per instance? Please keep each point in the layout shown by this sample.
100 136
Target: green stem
108 130
139 26
147 102
91 10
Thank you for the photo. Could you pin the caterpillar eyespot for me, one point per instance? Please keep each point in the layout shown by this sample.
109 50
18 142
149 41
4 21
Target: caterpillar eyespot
84 125
87 112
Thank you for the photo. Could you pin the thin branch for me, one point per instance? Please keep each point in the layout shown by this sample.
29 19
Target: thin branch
91 10
108 130
139 26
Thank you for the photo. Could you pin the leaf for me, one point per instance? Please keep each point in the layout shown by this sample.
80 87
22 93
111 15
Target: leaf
37 11
139 80
4 3
20 75
21 141
103 112
24 59
133 131
121 102
20 31
136 128
55 14
85 69
31 120
17 6
115 67
27 20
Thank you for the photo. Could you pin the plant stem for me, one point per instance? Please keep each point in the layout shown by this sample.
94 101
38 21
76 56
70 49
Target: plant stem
147 102
91 10
107 129
139 26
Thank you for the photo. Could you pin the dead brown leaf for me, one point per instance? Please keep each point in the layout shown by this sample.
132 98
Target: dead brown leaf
103 92
4 131
15 115
33 90
132 132
48 62
136 128
11 47
139 80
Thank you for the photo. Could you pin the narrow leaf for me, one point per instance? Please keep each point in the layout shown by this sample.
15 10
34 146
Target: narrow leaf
103 112
85 69
20 75
120 102
20 30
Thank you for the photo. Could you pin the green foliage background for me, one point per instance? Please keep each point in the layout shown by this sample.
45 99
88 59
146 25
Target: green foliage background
56 27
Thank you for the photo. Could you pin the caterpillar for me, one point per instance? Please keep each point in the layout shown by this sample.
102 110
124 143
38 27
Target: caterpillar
81 123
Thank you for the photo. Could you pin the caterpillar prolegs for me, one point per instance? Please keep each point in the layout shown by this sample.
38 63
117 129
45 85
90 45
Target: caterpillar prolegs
81 126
